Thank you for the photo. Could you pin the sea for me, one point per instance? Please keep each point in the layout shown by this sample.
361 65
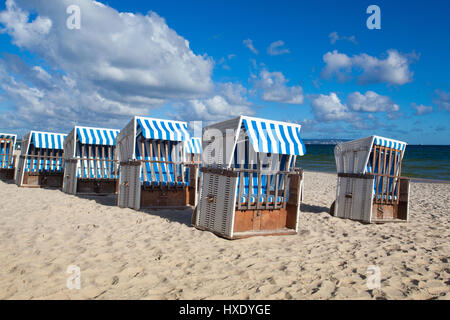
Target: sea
420 161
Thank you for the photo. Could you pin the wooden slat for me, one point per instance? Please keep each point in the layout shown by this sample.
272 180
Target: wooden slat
286 188
166 151
175 169
395 180
103 163
158 148
374 158
258 195
390 200
277 179
83 164
285 183
181 146
241 188
383 175
144 167
10 155
150 153
38 159
50 160
113 171
399 175
89 161
94 161
3 148
378 173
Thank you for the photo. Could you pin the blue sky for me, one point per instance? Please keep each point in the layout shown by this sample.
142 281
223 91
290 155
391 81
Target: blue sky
391 82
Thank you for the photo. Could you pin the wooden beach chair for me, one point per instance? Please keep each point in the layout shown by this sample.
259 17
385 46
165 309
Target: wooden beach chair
41 162
250 185
370 187
90 165
152 158
7 158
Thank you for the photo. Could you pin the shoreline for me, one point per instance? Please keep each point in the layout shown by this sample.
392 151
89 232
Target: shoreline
413 179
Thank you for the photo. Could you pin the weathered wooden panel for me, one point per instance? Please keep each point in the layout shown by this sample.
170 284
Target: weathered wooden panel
354 198
217 202
129 194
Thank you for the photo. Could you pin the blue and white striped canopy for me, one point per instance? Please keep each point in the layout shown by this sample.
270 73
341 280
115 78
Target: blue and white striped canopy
390 143
163 129
274 137
194 146
8 136
96 136
47 140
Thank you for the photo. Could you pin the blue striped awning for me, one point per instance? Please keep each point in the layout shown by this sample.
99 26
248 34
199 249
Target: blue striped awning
157 129
8 136
390 143
47 140
194 145
274 137
95 136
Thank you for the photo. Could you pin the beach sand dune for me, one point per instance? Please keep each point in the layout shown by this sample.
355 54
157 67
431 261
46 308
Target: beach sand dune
125 254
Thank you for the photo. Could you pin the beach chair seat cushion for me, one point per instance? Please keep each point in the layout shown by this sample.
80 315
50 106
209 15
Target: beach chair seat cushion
262 199
165 183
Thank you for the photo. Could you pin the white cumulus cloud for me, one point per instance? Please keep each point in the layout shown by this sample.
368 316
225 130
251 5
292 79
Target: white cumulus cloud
371 102
393 69
330 108
228 101
116 64
274 87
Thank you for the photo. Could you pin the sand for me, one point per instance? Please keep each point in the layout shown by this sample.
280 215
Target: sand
125 254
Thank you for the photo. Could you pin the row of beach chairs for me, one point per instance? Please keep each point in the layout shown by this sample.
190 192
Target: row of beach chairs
241 176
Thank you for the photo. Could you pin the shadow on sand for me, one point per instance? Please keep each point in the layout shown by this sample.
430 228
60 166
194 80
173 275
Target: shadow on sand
182 216
313 209
106 200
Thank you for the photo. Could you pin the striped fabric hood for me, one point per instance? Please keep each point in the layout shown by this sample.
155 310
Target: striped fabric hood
158 129
274 137
97 136
47 140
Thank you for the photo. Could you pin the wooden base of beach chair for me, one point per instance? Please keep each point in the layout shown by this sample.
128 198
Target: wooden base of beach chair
218 212
97 186
386 213
164 197
6 174
265 222
45 180
355 200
